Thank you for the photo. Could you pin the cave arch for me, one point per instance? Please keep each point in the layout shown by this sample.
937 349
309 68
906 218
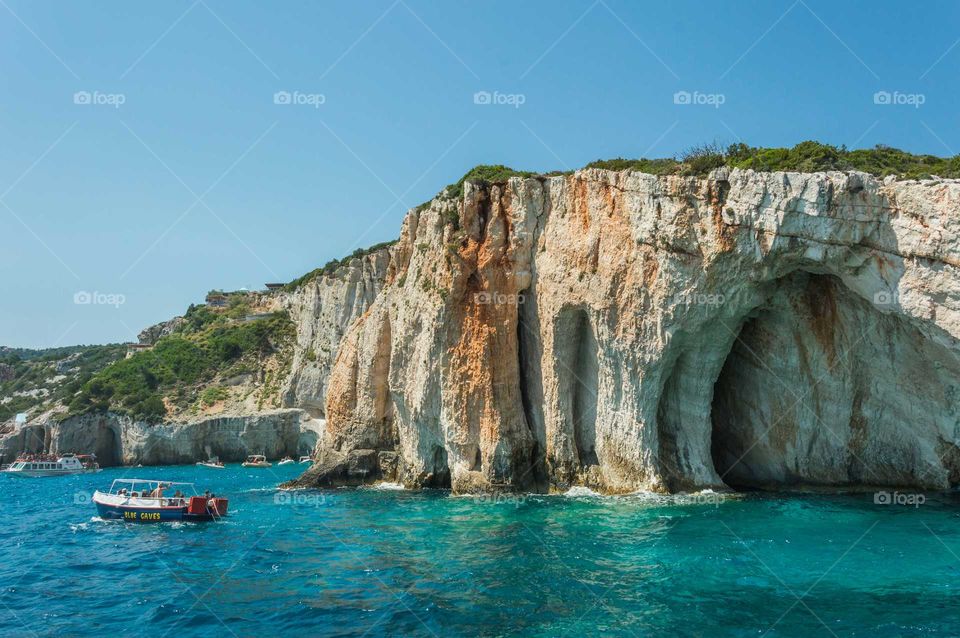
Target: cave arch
107 446
578 376
821 387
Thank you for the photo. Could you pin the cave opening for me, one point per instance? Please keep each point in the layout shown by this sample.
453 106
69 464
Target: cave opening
822 388
439 478
584 384
107 447
768 388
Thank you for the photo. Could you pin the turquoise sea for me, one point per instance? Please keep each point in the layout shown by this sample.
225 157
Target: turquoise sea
379 562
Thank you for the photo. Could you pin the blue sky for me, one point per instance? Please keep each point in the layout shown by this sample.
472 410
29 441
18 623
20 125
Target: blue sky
199 180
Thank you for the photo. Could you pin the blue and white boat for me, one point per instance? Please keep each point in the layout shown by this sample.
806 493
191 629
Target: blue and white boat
151 501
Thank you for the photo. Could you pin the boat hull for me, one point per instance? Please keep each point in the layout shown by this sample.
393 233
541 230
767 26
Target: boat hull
110 510
46 473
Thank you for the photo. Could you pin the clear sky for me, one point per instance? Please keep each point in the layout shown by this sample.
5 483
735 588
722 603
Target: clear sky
144 156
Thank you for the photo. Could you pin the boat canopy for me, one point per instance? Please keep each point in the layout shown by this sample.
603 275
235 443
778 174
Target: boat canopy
148 484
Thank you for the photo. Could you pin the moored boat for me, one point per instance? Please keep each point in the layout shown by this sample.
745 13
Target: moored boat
149 501
214 462
305 459
285 461
257 460
37 465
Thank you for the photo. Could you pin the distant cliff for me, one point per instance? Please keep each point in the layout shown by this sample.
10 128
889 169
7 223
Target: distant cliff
211 382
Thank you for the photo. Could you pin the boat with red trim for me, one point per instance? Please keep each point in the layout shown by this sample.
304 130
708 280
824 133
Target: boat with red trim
151 501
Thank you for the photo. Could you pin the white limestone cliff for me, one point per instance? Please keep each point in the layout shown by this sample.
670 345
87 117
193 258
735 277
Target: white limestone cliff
624 331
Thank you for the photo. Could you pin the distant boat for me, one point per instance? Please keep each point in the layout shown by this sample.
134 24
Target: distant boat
40 466
214 462
305 459
147 501
257 460
285 461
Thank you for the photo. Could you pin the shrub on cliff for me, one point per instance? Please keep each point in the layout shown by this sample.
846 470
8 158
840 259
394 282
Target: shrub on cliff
47 377
136 386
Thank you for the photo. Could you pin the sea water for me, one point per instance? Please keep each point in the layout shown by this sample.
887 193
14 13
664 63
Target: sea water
388 562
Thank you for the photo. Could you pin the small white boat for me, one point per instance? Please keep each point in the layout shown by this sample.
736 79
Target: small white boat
215 463
30 467
285 461
257 460
305 459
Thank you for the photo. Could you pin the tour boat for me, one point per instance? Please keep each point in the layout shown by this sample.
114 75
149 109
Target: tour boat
285 461
215 463
305 459
256 460
34 466
149 501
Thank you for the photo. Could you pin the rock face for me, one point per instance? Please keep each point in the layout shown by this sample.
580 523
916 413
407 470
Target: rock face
624 331
118 440
150 335
323 310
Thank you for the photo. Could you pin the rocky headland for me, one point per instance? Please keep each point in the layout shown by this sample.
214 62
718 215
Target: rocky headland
611 329
624 331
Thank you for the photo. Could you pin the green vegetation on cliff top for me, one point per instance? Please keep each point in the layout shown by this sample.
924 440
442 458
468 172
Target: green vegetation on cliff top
698 161
210 345
806 157
37 379
331 266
